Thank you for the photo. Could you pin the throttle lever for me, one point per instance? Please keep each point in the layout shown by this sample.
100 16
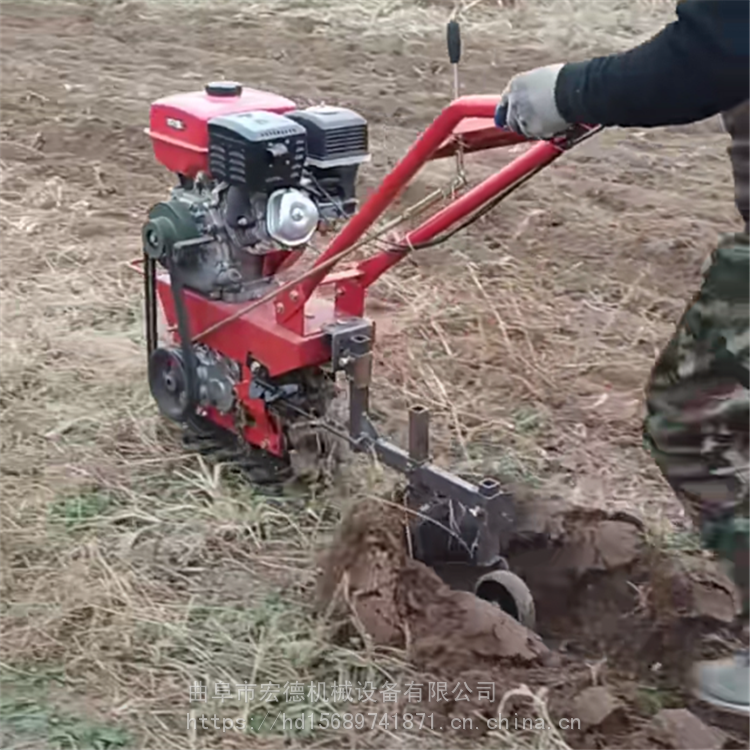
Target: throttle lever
454 42
453 38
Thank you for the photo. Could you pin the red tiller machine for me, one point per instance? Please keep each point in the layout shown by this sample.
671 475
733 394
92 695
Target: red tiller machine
253 357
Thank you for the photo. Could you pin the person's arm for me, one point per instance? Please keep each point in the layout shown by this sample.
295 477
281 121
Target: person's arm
694 68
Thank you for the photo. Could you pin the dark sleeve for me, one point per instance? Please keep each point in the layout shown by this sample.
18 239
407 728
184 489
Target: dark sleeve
694 68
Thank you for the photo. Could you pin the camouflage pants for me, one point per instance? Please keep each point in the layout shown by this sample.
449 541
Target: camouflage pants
698 408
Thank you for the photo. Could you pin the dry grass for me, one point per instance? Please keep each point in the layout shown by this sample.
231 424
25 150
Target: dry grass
130 570
572 24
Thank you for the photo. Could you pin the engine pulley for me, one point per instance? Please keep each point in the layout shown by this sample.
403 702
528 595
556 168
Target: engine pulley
168 222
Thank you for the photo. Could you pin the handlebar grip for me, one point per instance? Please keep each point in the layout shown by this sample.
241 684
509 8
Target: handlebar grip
501 115
454 42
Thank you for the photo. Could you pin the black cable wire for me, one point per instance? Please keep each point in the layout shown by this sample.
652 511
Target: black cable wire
483 210
386 244
190 361
150 304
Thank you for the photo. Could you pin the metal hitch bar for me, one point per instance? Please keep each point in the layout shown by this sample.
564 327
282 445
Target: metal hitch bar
489 510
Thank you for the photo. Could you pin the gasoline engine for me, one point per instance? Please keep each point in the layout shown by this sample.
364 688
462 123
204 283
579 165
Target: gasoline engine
273 177
257 178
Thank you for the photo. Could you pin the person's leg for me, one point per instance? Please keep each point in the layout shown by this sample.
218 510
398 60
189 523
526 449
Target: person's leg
697 431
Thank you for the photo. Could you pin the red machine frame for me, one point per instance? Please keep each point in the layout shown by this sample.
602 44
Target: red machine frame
286 326
286 329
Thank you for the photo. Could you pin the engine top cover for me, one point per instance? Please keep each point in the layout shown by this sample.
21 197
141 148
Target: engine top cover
179 122
261 151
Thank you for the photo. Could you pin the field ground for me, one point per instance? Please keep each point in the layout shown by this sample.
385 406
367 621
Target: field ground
131 570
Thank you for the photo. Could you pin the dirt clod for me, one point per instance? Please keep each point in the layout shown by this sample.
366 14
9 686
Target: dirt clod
399 601
609 606
596 707
454 630
695 588
361 574
681 729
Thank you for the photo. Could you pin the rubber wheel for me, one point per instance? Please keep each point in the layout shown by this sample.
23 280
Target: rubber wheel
509 592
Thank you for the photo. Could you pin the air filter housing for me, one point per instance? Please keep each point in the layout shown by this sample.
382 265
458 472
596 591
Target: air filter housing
337 143
335 136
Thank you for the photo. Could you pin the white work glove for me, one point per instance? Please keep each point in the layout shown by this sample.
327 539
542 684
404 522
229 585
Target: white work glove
527 105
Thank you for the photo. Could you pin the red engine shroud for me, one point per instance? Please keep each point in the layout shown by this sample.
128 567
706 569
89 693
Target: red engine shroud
179 124
285 332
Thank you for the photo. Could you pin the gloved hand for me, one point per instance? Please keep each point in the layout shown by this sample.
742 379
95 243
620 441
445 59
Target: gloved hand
528 104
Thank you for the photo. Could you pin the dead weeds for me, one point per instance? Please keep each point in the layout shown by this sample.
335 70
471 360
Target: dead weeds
131 571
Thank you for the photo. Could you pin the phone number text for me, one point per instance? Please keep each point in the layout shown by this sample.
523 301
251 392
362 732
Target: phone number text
369 720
